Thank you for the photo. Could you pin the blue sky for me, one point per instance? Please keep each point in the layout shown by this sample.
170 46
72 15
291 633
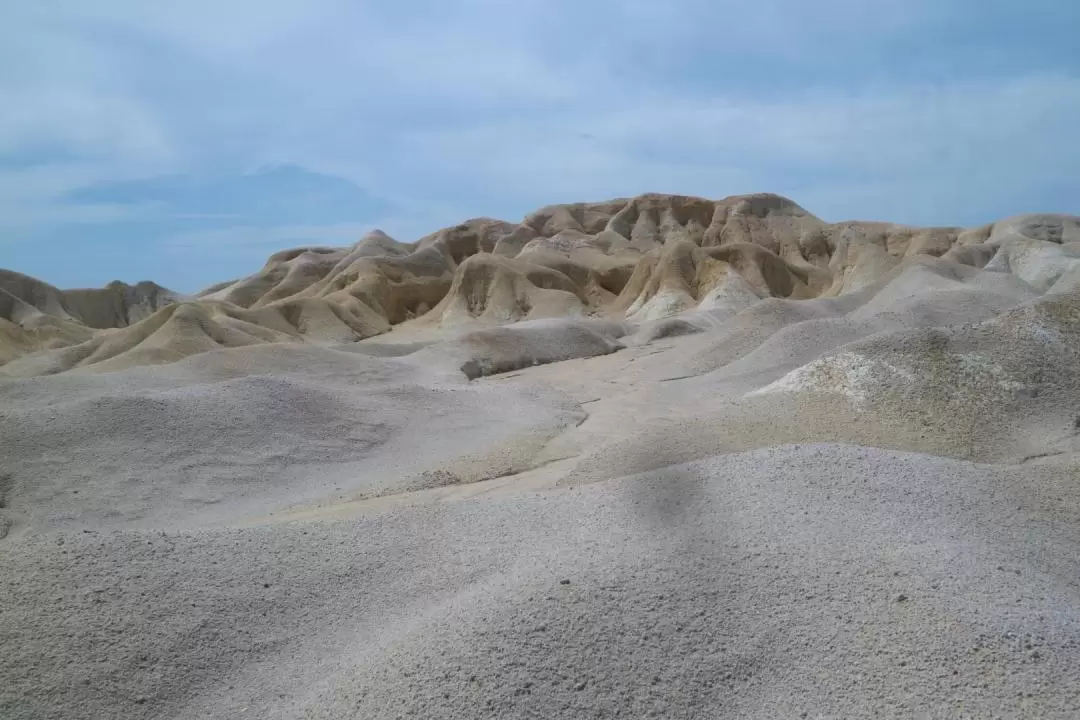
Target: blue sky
185 141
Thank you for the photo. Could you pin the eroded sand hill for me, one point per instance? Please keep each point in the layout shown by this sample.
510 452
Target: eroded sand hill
658 457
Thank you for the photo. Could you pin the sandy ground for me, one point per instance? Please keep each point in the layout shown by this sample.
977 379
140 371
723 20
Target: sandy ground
864 506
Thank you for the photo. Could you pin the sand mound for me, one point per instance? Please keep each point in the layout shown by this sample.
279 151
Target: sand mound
1056 229
171 334
32 293
682 276
862 252
600 265
116 305
260 427
285 273
830 396
493 288
25 329
525 344
728 297
391 282
1046 266
1003 390
37 316
771 221
479 235
588 218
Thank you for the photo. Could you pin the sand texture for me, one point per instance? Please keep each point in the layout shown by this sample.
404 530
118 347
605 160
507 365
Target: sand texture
653 457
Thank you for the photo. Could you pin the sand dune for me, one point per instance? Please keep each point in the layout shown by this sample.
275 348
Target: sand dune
653 457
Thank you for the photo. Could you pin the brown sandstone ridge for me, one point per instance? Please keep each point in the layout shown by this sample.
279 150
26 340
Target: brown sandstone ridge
644 259
494 270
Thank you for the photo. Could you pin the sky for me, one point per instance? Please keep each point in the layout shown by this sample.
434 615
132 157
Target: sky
186 141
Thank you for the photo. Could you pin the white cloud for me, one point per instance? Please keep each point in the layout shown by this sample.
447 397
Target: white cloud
64 93
269 239
490 107
958 140
31 204
244 238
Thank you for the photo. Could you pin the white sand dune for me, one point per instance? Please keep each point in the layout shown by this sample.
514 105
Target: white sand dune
653 457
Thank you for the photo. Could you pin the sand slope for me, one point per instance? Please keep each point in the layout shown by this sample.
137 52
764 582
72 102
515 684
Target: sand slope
825 580
655 457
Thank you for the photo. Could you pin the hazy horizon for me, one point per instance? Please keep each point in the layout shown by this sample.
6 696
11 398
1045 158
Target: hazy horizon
186 142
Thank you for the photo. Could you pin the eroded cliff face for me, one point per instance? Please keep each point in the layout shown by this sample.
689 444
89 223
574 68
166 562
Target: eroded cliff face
641 259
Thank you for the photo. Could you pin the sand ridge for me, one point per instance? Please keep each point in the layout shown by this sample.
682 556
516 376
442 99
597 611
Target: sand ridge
644 259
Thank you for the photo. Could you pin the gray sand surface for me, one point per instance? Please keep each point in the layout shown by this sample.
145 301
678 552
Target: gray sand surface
825 579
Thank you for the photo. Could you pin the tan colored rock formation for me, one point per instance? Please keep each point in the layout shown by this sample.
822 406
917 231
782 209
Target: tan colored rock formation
644 259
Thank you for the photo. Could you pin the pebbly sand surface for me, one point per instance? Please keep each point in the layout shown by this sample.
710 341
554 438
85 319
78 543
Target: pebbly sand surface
856 503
